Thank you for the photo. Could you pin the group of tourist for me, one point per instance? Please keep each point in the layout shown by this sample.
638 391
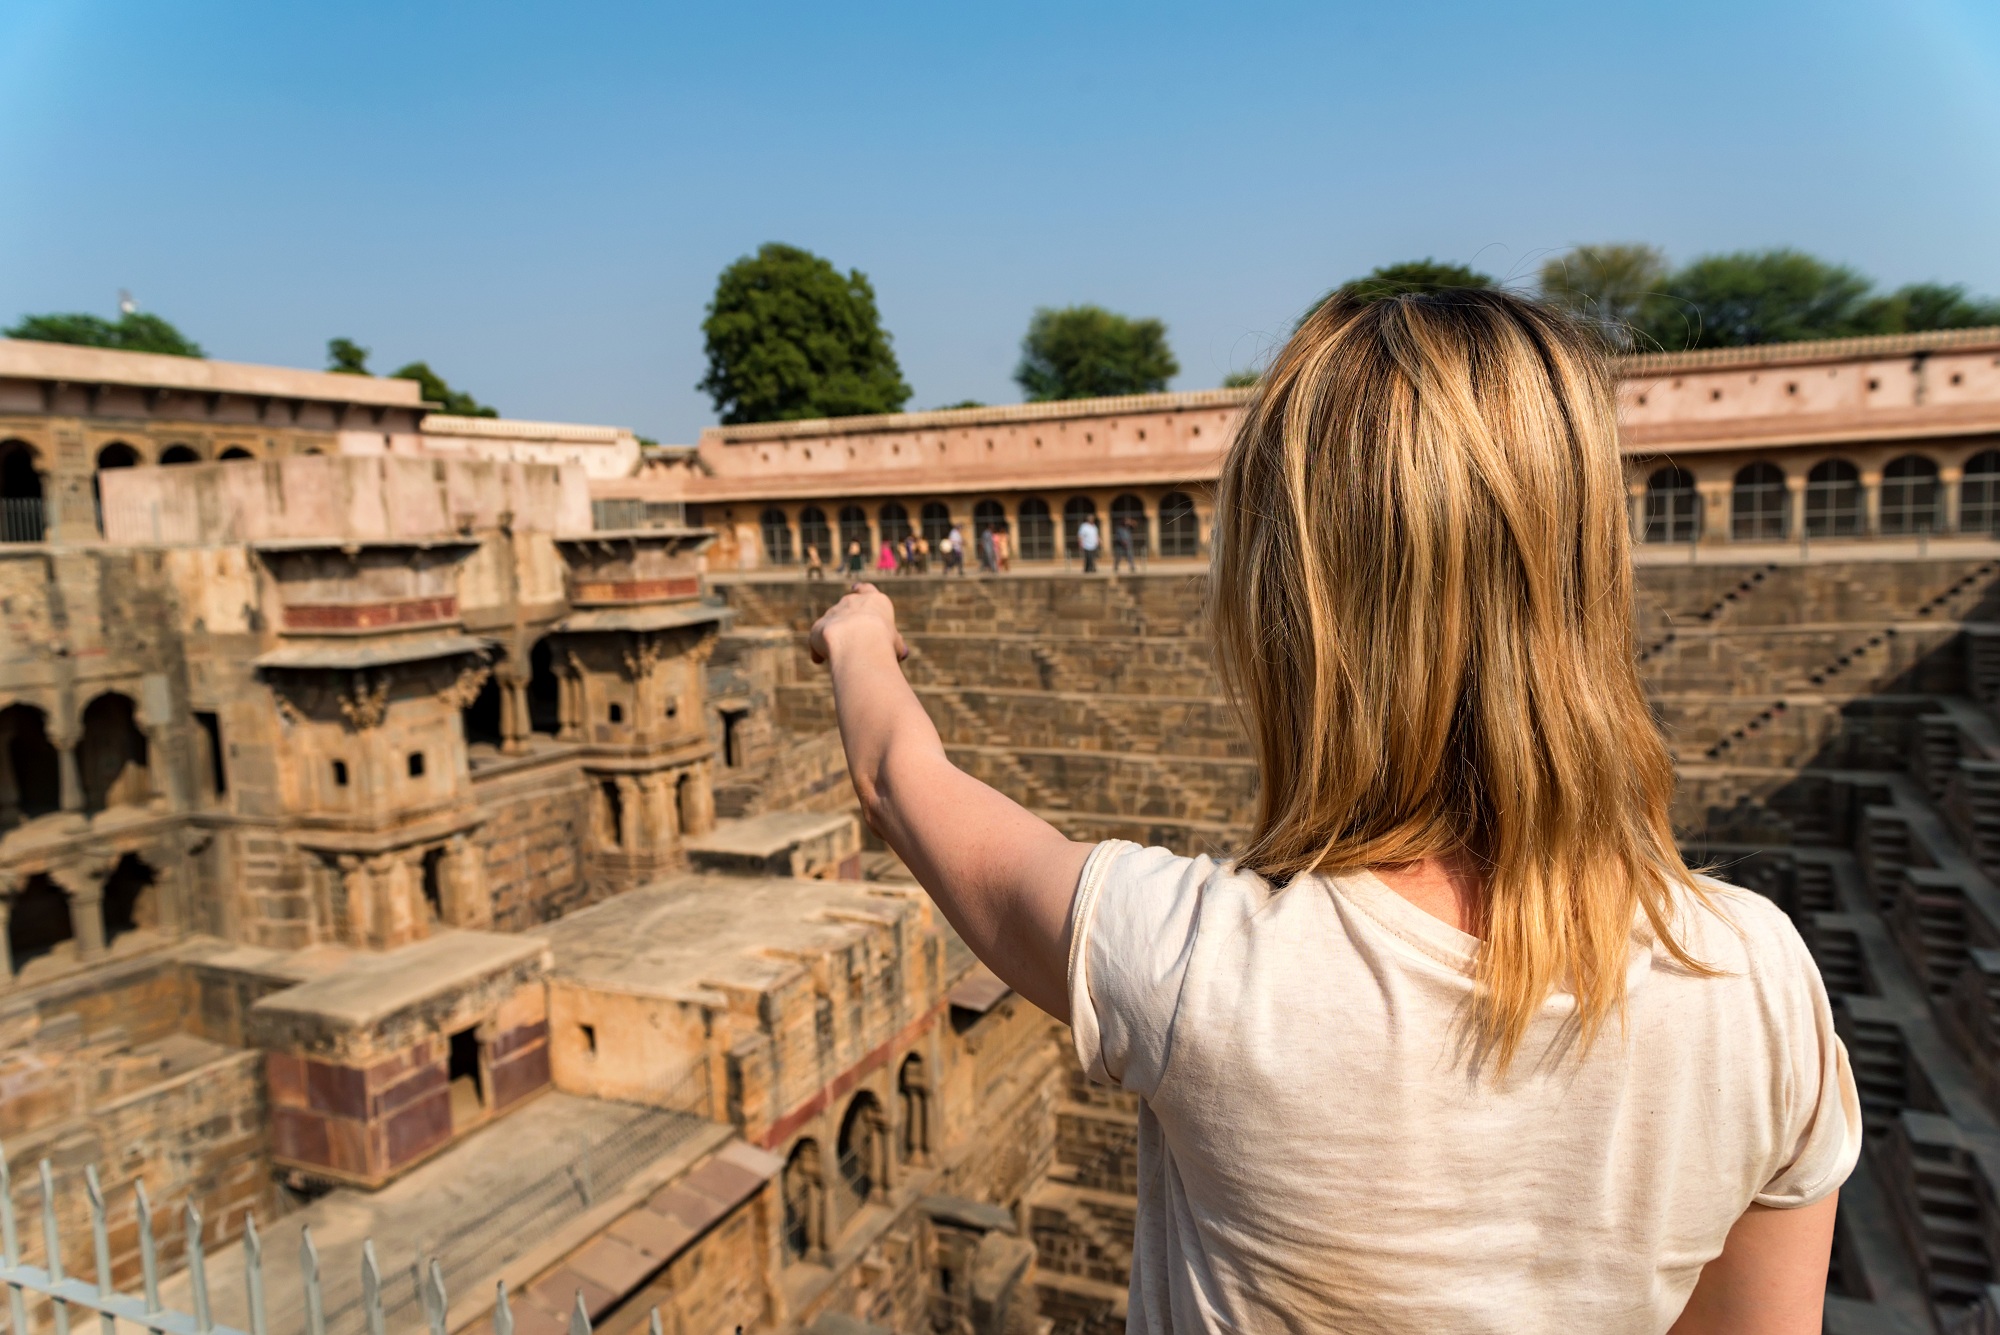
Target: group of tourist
911 555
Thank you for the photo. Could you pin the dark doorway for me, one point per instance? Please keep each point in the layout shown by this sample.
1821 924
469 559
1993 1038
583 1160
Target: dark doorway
732 741
434 883
37 922
482 716
544 690
468 1085
614 816
22 516
211 731
31 784
113 755
129 903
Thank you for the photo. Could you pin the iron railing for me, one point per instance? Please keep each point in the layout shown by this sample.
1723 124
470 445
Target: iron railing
23 519
600 1170
622 512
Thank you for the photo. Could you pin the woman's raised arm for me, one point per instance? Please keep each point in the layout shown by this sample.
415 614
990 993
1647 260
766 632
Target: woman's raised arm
1003 876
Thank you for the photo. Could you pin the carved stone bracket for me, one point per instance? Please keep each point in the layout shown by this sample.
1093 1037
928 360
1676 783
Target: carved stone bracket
366 701
465 690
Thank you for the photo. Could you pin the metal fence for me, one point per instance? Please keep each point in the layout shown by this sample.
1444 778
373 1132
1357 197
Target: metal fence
579 1182
621 512
23 519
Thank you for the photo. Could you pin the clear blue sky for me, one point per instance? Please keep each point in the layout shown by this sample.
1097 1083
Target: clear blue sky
537 199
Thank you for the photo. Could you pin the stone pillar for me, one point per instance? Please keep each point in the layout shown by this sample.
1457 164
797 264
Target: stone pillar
633 811
467 901
66 744
1871 503
697 800
570 696
1949 482
657 794
515 724
1795 504
10 885
164 774
84 883
1715 519
358 888
400 916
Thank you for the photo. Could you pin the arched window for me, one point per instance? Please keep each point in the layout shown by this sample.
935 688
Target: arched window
1673 507
854 530
1910 496
112 755
1759 505
117 455
1180 527
238 452
988 517
1979 494
860 1148
1128 515
179 454
913 1085
803 1187
1833 500
37 921
895 522
22 515
937 522
1075 510
1038 531
813 532
777 537
30 765
128 905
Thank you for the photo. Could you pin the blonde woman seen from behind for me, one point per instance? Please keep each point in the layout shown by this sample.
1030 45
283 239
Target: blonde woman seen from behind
1456 1042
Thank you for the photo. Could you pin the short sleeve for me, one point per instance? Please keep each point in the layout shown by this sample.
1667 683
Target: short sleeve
1132 932
1823 1134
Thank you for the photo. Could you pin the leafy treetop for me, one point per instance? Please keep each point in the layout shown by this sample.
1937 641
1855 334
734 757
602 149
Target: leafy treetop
346 357
789 337
1084 352
134 331
1240 379
1411 277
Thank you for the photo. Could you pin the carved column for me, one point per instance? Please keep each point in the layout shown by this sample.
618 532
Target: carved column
697 800
467 901
571 696
1950 481
515 724
1871 503
400 912
66 743
160 767
633 808
657 793
358 888
84 883
1795 504
10 885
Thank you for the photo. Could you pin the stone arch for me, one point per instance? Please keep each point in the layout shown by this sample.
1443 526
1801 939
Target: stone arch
112 757
179 454
988 516
238 452
130 899
1129 509
861 1149
936 521
30 769
1835 506
1673 506
1075 510
853 530
1910 491
895 522
1979 494
1759 504
813 532
38 922
117 454
23 505
1038 533
777 537
913 1086
803 1186
1180 526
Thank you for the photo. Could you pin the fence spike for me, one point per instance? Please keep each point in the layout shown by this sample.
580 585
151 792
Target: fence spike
434 1298
579 1317
371 1287
10 1238
52 1245
253 1274
101 1241
503 1315
197 1269
309 1276
653 1323
149 1254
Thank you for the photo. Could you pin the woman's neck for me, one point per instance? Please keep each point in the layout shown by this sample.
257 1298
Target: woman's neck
1450 889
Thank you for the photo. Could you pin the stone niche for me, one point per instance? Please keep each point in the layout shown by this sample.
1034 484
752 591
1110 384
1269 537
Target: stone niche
384 1061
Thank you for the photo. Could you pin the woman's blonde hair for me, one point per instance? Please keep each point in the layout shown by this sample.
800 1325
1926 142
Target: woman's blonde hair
1422 606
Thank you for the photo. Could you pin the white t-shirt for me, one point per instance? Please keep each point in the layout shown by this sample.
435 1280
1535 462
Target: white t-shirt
1315 1156
1086 535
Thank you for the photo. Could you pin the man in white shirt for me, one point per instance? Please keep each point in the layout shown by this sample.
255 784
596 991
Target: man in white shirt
1086 541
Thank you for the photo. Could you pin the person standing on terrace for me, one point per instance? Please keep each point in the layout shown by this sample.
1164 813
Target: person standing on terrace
1455 1041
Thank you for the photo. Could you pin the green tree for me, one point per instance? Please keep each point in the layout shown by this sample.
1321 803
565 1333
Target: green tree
1240 379
1618 288
346 357
1411 277
133 331
437 391
1921 306
790 338
1086 352
1770 296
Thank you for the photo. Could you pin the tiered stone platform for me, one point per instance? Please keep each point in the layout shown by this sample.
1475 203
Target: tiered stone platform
1834 727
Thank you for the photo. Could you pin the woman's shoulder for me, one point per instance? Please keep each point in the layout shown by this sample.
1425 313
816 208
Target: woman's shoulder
1741 933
